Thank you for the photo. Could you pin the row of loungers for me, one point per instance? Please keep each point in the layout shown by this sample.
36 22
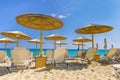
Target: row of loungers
91 55
22 56
19 57
112 57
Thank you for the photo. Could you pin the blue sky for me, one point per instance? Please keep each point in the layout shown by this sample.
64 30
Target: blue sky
73 13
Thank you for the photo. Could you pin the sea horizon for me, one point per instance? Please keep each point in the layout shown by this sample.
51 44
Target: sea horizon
71 52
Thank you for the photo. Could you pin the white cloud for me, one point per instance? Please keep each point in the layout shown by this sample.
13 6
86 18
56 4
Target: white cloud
62 16
58 15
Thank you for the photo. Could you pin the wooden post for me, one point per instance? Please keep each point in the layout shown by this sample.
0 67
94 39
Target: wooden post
82 47
92 40
54 44
5 45
41 43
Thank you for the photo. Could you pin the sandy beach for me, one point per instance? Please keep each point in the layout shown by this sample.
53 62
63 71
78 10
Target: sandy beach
73 72
85 34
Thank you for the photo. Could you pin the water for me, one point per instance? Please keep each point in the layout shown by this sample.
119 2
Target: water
102 52
71 52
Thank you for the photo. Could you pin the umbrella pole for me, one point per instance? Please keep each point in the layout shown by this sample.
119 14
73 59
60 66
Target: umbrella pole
41 43
17 42
78 47
55 44
60 45
36 48
97 46
111 45
92 40
5 46
82 47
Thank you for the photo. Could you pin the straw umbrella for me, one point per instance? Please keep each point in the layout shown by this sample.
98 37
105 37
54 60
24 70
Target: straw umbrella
36 41
105 43
78 44
16 34
6 41
111 45
94 29
55 37
82 39
39 22
60 43
97 46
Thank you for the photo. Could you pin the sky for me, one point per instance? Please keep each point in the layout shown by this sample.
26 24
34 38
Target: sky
73 13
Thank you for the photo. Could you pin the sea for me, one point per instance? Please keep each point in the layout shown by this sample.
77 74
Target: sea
71 52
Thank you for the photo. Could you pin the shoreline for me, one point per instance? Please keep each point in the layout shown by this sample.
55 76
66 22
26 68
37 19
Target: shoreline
72 52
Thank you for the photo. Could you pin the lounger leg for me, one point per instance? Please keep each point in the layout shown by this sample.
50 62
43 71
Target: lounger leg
67 65
54 63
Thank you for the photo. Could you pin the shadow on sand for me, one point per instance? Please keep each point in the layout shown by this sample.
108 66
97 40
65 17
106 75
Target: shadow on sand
71 66
3 70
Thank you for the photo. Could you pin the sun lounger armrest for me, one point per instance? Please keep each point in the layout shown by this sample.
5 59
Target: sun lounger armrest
9 63
30 61
88 61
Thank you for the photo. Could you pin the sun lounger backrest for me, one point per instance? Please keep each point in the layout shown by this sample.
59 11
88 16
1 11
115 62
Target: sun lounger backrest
118 54
2 56
111 53
80 53
49 54
15 58
90 53
25 55
60 54
19 55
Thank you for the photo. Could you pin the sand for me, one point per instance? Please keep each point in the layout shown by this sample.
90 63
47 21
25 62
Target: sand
95 71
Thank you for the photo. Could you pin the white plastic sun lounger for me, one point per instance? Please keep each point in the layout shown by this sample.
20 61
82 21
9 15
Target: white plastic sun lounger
59 56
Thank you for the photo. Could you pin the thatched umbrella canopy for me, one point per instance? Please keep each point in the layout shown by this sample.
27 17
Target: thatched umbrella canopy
60 43
78 44
6 41
94 29
111 45
97 46
16 34
36 41
105 43
55 37
39 22
82 39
